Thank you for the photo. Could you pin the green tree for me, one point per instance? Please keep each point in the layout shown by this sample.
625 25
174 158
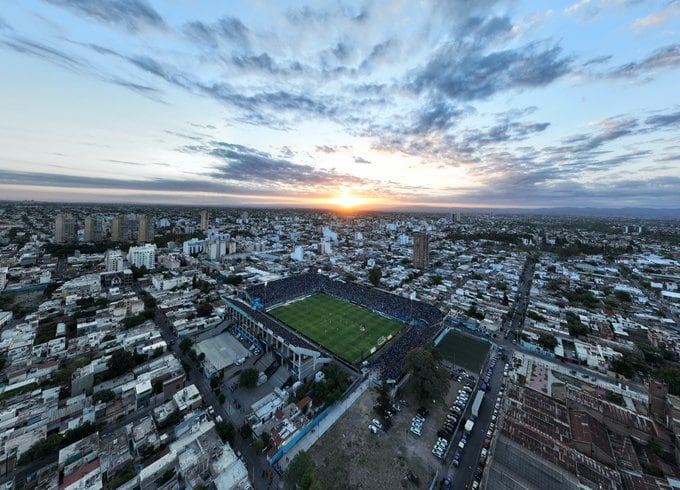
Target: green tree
430 378
105 396
622 366
185 344
248 378
246 431
623 296
547 341
226 431
374 275
671 375
121 362
233 279
300 471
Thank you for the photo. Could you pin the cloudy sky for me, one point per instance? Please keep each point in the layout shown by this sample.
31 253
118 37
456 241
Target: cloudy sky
445 103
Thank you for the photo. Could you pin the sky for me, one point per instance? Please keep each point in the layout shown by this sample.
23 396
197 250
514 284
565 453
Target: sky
458 103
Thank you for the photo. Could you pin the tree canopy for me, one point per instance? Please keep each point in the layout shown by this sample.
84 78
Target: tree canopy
374 275
300 472
430 379
248 378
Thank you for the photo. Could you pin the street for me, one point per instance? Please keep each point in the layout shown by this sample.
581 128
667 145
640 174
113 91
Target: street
258 467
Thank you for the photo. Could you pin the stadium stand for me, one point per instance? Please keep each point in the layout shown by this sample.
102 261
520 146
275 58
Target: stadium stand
422 316
290 288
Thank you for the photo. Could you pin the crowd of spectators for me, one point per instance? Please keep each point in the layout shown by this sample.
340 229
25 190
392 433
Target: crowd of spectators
287 289
391 363
275 326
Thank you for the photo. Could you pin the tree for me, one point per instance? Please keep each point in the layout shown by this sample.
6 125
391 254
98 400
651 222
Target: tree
121 362
246 431
374 275
233 280
158 386
623 296
138 272
204 310
105 396
248 378
430 378
671 375
349 277
185 345
623 367
300 471
226 431
548 342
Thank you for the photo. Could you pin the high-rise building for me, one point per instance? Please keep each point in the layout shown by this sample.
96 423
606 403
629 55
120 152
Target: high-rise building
421 251
114 261
3 277
92 229
144 255
117 229
145 229
205 219
64 228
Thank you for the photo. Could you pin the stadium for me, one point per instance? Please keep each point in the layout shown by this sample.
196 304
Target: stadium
300 317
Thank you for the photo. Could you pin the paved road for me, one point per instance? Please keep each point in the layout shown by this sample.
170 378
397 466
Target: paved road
464 474
259 469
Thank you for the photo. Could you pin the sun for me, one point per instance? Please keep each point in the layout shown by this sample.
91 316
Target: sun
346 200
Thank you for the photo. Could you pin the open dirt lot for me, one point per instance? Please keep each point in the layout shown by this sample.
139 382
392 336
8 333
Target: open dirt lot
349 456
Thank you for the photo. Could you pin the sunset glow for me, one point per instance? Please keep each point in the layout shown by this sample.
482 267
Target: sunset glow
351 105
347 201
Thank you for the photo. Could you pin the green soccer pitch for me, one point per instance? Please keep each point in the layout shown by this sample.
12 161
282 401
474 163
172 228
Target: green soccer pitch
336 325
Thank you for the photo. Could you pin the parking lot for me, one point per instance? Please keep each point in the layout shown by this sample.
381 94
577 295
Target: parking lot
351 456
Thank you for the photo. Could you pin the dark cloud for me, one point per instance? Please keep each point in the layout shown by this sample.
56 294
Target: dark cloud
228 29
145 90
664 120
232 29
598 60
361 160
341 51
477 75
502 133
286 152
436 115
83 182
48 53
378 53
133 15
667 57
244 164
202 33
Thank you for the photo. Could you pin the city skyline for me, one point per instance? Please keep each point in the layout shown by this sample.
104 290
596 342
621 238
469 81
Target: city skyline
369 105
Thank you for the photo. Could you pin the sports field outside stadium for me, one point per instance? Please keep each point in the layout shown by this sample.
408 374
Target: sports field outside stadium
347 330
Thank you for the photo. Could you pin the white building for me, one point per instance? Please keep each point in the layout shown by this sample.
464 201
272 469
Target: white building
3 277
144 255
114 260
193 246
